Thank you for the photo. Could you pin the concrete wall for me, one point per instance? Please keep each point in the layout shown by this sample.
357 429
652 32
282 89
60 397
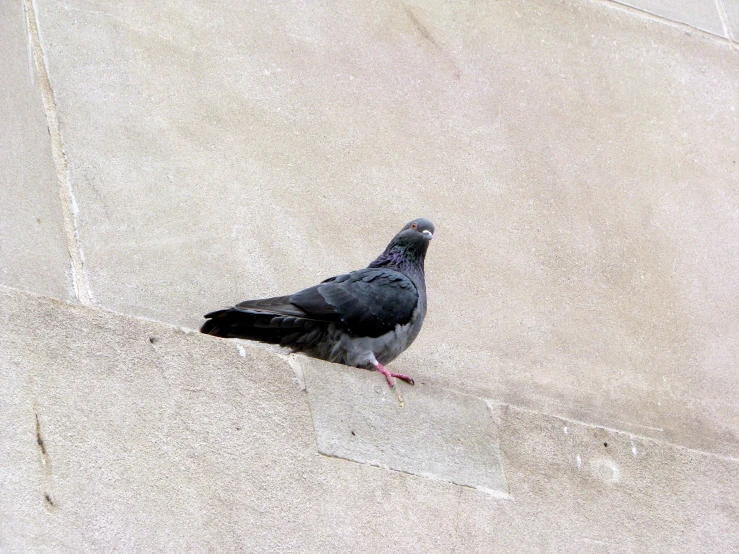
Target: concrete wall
578 371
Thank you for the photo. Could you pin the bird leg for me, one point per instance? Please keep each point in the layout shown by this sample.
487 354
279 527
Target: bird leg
389 375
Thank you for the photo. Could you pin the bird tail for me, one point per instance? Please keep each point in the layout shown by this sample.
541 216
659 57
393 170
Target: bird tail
286 330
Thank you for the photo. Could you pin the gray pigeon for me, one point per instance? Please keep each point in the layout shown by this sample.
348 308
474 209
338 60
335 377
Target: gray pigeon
364 319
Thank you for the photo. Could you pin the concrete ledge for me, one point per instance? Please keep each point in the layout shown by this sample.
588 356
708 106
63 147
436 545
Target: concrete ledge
129 435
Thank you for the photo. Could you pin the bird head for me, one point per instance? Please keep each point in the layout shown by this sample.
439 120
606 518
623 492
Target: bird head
420 225
408 246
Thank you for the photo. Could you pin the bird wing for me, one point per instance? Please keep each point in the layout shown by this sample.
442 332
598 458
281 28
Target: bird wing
370 302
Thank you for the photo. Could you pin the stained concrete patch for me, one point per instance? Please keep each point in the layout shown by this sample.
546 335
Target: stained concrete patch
423 430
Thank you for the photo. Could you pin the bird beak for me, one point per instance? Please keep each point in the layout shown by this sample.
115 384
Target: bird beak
428 234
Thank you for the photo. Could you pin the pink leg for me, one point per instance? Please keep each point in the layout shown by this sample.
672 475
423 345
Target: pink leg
389 375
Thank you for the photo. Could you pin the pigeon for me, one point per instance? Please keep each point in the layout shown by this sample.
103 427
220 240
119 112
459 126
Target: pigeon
364 319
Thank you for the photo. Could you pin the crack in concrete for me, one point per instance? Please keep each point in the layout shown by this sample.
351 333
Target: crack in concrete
70 209
498 495
626 433
45 460
40 442
420 27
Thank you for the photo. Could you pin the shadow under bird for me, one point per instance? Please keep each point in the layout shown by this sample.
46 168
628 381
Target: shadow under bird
365 318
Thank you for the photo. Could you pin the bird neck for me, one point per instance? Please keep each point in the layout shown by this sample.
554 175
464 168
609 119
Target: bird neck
401 258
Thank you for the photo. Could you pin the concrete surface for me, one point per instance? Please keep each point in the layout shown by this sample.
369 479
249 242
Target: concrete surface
133 436
33 247
163 159
579 163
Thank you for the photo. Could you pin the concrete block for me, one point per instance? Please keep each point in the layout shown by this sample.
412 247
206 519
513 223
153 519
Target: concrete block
579 163
33 248
701 14
419 429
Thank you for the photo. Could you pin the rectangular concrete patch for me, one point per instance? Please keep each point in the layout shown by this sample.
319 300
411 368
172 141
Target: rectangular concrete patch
420 429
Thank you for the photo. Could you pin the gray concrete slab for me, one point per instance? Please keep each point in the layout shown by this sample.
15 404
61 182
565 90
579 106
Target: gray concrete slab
128 435
701 14
33 248
579 162
422 430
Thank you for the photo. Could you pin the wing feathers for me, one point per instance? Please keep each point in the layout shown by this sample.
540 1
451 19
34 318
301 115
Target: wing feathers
370 302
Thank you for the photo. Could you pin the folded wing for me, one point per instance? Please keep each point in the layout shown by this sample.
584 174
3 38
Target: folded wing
368 303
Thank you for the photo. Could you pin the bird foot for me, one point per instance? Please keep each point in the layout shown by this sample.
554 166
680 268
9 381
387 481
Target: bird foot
389 375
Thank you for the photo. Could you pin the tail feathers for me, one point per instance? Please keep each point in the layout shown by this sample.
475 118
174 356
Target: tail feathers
285 330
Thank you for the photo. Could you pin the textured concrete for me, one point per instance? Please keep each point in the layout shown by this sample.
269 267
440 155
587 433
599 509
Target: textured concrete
422 430
701 14
33 248
580 163
579 159
132 436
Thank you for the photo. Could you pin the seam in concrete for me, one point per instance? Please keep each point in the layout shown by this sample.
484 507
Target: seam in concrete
70 209
724 19
498 495
615 4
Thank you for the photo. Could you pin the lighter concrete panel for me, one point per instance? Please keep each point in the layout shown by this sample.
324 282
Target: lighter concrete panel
580 163
33 248
423 430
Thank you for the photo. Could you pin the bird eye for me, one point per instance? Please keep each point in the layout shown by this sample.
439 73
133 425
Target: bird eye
414 226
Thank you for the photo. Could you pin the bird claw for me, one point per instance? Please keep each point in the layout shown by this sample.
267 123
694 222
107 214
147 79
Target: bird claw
405 378
389 376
